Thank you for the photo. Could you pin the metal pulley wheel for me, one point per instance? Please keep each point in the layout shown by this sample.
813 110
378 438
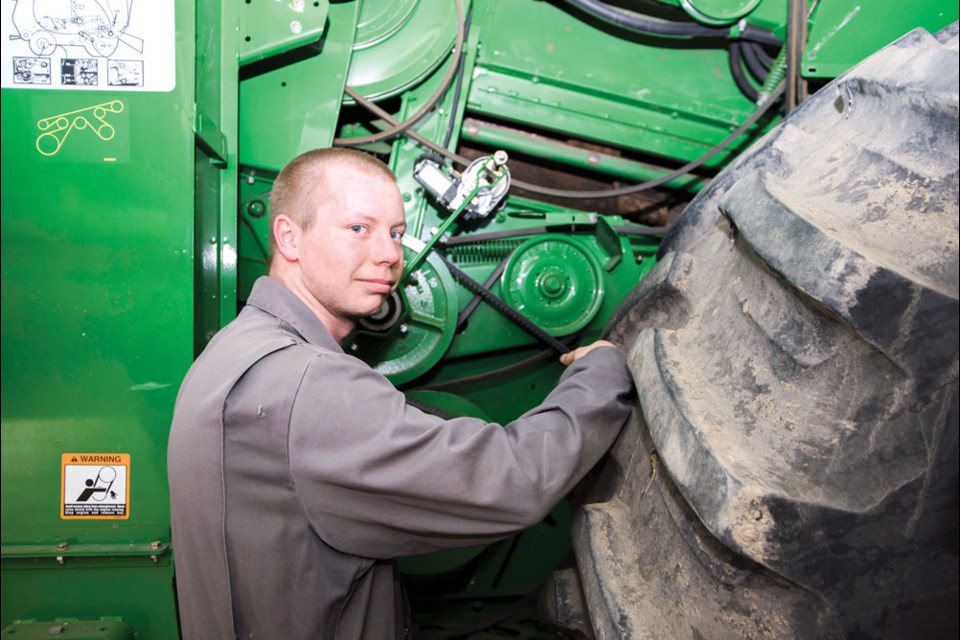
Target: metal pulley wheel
555 282
415 326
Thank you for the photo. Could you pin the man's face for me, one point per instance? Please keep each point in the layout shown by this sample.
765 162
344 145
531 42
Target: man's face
351 258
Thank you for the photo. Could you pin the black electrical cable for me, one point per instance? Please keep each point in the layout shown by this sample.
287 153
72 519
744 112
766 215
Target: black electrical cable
376 110
498 374
399 127
459 85
739 75
563 193
655 26
676 173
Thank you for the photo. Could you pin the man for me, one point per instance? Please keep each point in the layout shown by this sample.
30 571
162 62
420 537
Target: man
297 473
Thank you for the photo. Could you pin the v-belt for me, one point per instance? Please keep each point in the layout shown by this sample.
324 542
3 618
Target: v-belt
502 307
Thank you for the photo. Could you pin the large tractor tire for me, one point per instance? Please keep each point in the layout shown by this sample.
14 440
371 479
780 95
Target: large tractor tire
791 470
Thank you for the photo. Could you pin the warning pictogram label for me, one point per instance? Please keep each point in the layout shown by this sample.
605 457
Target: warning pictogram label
95 486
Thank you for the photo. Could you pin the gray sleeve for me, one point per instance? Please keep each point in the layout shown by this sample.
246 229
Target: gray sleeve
378 478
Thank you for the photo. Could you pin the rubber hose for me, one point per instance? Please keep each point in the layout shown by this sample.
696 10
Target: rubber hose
648 25
753 62
739 76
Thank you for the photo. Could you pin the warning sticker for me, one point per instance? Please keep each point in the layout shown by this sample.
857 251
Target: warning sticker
117 45
95 486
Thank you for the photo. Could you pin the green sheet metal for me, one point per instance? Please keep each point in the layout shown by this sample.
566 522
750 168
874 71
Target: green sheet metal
97 307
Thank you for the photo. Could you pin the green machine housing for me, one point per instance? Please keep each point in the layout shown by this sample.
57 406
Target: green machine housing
140 143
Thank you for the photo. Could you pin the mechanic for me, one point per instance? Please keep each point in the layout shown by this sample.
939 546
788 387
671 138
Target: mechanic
298 473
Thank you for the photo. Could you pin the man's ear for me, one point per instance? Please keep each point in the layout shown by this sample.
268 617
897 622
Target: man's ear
286 235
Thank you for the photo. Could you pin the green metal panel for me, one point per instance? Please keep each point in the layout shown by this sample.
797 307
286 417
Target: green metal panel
71 629
97 233
126 244
671 98
844 33
276 121
398 44
216 168
270 28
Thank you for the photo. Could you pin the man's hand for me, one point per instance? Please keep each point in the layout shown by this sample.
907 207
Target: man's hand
568 358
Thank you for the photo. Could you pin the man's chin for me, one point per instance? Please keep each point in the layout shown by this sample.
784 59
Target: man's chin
374 307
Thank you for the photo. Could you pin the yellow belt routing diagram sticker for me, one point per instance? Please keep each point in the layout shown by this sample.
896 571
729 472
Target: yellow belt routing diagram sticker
95 486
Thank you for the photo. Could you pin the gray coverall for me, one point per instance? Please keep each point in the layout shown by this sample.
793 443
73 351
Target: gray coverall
297 473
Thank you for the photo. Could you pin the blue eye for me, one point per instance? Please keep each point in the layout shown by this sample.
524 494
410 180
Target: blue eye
397 235
356 228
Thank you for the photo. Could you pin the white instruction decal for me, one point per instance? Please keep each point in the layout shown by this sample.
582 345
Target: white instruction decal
115 45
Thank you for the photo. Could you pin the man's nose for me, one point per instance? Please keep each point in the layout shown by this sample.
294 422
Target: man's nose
388 250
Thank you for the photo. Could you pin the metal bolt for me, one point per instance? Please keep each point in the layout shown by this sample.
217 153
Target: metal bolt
256 208
296 27
404 329
297 5
63 546
354 347
56 630
156 545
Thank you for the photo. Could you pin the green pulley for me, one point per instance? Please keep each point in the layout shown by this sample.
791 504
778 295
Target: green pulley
398 44
415 326
555 282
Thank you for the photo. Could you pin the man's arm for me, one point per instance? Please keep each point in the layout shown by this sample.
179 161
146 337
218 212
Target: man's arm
379 478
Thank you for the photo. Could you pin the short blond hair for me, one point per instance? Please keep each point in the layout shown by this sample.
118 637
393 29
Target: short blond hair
301 184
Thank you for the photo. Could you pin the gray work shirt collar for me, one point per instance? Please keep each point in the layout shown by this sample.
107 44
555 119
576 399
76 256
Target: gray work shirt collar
270 296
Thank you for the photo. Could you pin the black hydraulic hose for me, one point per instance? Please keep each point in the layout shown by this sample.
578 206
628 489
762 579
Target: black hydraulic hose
765 58
655 26
753 62
739 76
760 36
399 127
